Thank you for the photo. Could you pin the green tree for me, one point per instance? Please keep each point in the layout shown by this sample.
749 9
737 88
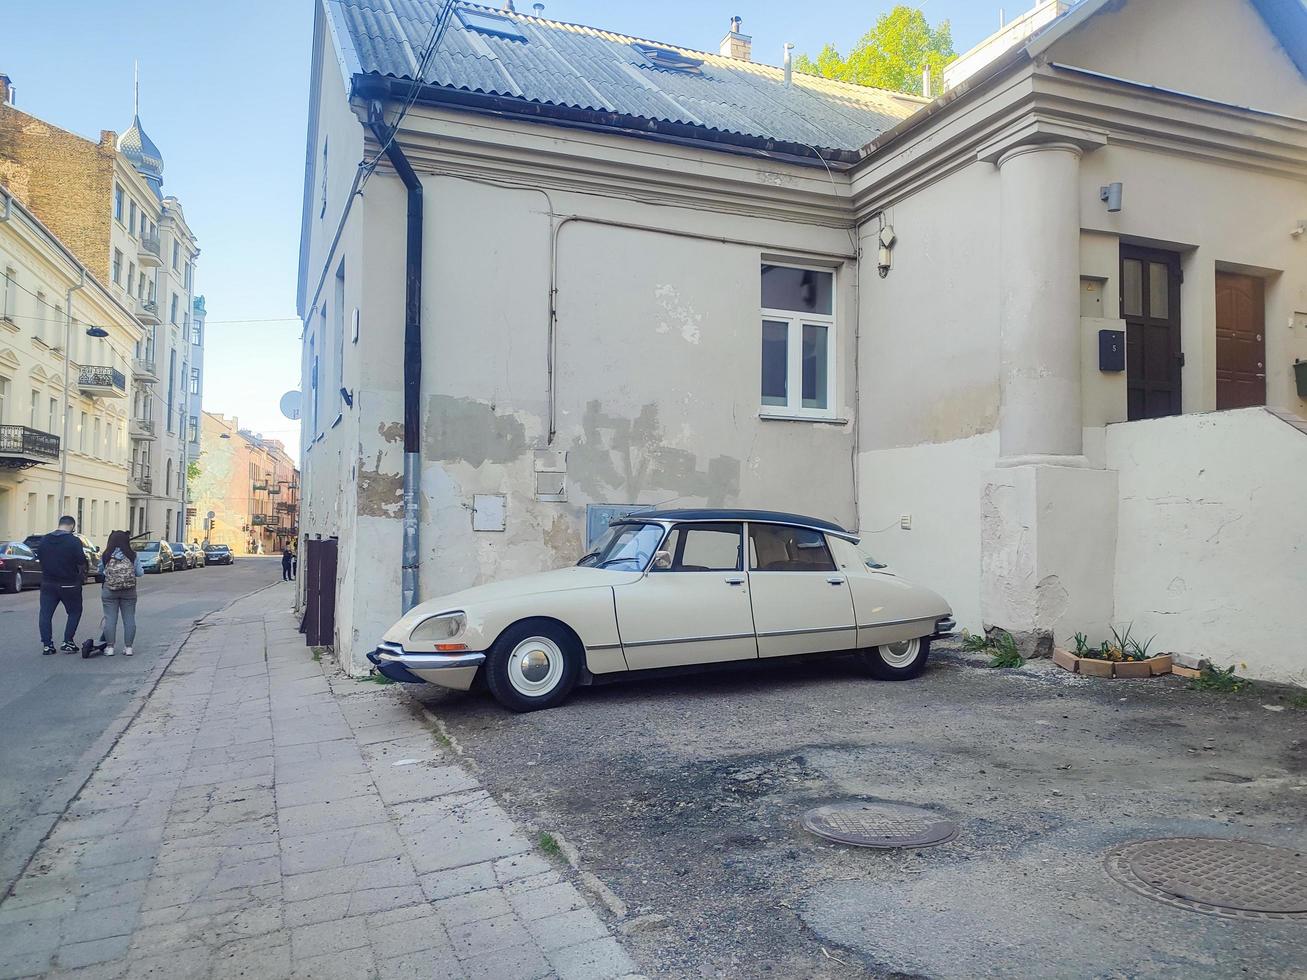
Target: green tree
891 55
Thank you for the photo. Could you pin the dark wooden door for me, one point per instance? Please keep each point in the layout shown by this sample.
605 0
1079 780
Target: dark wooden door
1240 341
1150 306
319 592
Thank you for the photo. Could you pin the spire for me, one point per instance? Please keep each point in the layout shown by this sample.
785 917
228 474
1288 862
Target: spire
138 148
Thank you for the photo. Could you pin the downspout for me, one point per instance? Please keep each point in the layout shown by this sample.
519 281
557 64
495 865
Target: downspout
412 353
68 343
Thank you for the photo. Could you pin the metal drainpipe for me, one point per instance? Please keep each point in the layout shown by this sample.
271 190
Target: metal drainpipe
412 354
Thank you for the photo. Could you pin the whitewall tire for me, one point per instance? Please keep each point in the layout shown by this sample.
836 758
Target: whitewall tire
896 661
534 664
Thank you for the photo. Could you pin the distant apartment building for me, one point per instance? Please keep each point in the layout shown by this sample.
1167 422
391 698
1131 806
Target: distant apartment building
250 486
65 392
105 201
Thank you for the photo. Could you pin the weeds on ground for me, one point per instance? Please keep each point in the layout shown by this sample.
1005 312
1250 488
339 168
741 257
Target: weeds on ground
376 678
549 845
441 738
1299 701
1222 680
317 655
1000 646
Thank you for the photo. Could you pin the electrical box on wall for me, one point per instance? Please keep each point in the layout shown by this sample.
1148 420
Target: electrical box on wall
1111 350
489 511
551 475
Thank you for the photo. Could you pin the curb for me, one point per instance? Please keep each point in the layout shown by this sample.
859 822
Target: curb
58 801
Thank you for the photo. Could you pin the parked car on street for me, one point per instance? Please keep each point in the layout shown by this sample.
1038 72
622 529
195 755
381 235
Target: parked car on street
156 556
181 558
19 567
218 554
91 549
670 589
198 558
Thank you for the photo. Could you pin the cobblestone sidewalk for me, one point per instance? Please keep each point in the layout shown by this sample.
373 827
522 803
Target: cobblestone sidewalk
259 819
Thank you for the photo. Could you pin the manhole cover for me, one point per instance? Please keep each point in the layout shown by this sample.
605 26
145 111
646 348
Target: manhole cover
879 825
1233 878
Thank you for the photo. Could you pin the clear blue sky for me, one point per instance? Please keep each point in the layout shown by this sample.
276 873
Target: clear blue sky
223 95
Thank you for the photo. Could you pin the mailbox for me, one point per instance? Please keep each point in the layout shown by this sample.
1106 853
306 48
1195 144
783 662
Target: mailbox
1111 350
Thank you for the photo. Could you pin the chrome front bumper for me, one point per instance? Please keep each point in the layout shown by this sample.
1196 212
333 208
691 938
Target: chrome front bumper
944 626
456 671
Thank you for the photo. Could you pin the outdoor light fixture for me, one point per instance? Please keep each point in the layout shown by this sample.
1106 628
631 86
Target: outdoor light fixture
348 396
1111 193
97 332
887 240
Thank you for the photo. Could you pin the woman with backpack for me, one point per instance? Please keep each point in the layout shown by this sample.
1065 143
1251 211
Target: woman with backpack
121 567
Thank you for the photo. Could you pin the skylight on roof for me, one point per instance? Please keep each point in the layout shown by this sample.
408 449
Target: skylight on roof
491 24
669 60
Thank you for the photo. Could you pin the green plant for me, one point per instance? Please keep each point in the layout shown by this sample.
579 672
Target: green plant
974 641
376 678
1299 701
1223 680
549 845
441 738
1004 652
317 656
1083 649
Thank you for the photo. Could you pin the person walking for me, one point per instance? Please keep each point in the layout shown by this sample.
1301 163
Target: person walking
121 567
63 572
287 560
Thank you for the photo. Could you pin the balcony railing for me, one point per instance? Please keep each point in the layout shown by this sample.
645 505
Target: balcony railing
260 488
143 370
102 380
142 429
21 447
147 311
285 507
149 251
264 520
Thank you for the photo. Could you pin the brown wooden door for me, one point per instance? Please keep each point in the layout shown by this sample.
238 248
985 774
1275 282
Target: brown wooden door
1150 306
1240 341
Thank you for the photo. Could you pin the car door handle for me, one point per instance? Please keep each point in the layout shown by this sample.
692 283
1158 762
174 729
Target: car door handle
735 580
835 580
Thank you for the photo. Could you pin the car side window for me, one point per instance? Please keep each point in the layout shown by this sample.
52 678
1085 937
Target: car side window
783 548
705 548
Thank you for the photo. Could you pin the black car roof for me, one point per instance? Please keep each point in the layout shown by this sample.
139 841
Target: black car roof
692 515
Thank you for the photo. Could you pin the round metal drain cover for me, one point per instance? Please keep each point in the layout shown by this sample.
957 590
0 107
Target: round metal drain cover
1233 878
879 825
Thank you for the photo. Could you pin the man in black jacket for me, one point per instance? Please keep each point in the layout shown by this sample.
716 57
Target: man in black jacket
63 571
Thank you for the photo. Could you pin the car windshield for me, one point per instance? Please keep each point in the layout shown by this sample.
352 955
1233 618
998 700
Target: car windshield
149 546
177 546
627 547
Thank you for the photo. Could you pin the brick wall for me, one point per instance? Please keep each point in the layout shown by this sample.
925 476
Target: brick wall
66 180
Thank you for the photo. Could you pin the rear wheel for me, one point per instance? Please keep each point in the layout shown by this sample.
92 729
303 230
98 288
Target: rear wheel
896 661
534 664
15 584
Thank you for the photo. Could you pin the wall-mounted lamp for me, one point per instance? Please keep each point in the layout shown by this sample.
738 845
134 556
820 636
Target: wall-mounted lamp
1111 193
883 254
348 396
97 332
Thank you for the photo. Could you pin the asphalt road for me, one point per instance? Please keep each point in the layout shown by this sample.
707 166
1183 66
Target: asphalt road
684 796
53 709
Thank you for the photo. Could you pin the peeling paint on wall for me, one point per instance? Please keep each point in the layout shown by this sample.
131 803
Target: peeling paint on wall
469 431
391 431
627 457
676 315
379 494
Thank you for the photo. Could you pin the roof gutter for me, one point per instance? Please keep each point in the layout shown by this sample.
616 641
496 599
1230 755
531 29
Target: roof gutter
412 352
685 134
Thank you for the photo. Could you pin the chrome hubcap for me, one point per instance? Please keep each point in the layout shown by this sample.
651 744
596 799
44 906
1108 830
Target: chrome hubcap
901 654
535 666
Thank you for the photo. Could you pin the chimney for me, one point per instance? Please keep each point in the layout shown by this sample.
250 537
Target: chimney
925 82
108 138
736 45
539 9
789 68
6 90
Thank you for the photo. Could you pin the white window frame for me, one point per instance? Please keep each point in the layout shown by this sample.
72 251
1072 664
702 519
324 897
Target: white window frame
793 409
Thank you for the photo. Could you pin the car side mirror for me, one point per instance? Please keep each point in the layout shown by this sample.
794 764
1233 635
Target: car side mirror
662 559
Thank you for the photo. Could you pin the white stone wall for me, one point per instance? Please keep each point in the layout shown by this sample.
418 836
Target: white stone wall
1212 539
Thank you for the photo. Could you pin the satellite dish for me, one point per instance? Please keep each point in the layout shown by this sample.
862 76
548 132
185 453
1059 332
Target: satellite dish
290 405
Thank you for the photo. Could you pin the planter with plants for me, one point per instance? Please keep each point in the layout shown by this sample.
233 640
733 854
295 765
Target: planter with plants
1121 656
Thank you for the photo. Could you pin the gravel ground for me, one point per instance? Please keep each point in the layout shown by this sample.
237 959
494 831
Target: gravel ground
683 795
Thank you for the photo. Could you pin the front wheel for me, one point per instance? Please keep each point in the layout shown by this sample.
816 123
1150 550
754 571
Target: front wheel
17 584
896 661
533 665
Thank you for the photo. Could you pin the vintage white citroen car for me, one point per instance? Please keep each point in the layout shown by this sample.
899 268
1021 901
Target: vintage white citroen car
671 588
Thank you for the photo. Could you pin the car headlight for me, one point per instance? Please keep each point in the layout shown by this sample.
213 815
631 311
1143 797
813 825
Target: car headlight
438 629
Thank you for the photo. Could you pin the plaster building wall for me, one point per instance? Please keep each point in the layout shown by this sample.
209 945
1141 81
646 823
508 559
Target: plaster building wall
1218 49
35 274
1212 542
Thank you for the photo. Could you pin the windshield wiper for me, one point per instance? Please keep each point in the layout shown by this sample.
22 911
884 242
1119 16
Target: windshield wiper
609 561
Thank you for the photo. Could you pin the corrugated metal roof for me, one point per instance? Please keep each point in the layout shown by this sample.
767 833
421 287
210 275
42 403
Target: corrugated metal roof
584 68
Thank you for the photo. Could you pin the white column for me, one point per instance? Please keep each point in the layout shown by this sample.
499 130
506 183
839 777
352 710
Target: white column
1039 242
